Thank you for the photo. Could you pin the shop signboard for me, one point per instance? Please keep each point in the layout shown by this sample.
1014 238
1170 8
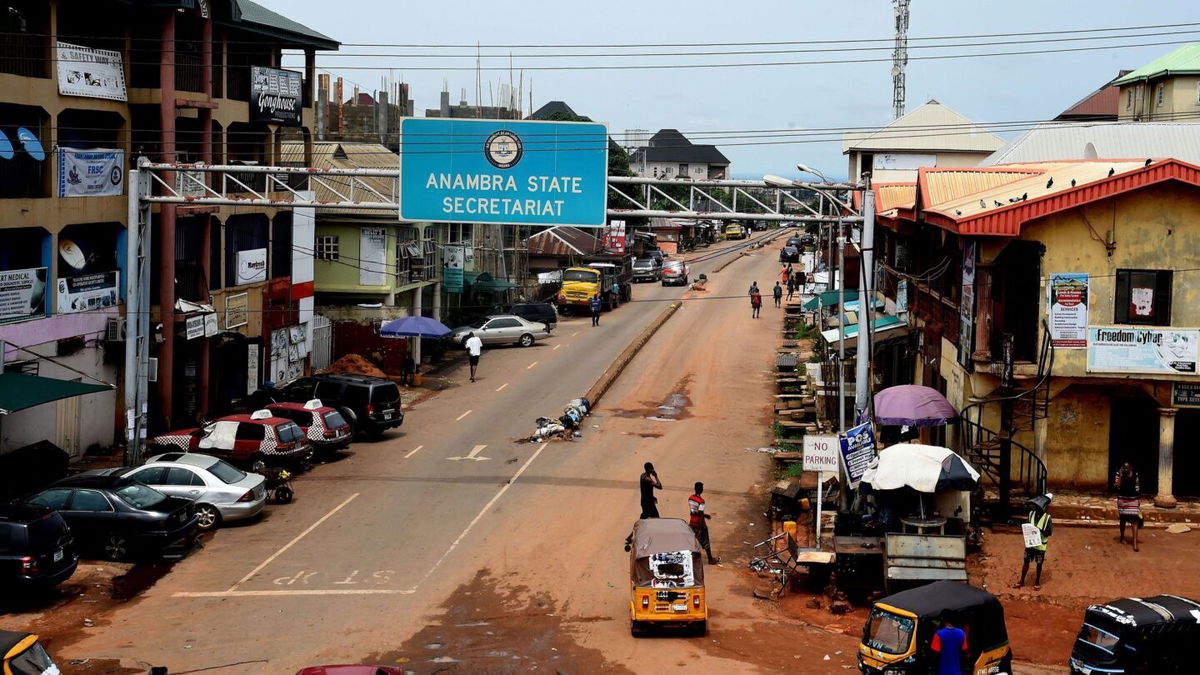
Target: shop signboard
452 272
90 173
614 236
966 307
94 73
1067 303
237 310
252 358
372 254
210 324
22 294
251 266
1151 351
89 291
195 327
1186 395
503 171
275 96
858 449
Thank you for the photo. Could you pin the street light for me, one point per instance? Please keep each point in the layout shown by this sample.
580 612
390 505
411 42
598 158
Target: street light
778 181
804 168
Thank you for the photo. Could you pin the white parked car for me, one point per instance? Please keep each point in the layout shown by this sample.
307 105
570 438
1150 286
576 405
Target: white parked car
503 329
221 491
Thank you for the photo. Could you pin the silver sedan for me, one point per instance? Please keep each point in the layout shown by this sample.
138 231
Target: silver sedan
221 491
503 329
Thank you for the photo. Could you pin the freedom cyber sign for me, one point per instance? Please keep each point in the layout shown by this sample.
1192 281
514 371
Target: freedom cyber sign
503 171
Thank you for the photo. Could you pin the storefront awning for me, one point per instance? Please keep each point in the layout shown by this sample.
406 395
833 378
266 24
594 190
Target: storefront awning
482 281
885 327
19 391
828 298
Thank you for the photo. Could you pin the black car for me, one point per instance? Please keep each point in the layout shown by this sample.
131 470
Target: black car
789 254
370 404
796 242
540 312
37 549
116 516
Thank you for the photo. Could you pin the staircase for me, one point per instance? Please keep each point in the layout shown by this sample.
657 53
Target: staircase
981 446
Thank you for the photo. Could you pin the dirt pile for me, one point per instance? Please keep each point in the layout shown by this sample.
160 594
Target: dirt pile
353 364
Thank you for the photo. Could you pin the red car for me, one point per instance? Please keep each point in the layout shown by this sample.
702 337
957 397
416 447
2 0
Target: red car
257 440
327 430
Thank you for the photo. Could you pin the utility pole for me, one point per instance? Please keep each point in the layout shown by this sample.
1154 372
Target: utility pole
899 56
137 314
862 365
1006 424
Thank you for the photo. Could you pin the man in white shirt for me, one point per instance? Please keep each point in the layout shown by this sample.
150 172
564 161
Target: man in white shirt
474 349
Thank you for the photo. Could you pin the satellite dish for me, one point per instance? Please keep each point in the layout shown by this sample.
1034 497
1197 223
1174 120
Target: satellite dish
30 144
6 147
895 70
72 254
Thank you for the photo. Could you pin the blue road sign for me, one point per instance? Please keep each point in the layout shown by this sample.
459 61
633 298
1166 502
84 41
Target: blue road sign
503 171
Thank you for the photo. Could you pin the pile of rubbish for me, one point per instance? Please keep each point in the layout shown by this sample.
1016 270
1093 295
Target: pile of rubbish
353 364
566 426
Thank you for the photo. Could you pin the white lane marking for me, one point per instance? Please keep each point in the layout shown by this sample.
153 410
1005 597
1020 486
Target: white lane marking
575 333
291 543
473 454
530 366
502 386
256 594
556 347
482 512
462 416
413 451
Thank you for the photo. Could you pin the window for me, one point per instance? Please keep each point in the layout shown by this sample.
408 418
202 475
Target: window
151 476
90 500
327 247
408 255
683 169
1129 99
180 476
226 472
504 323
1143 297
53 499
247 431
140 497
1159 98
430 258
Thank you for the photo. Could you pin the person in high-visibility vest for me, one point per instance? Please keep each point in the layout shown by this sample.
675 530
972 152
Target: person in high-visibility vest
1039 517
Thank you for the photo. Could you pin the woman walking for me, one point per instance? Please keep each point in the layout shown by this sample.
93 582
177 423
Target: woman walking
791 287
1128 486
755 303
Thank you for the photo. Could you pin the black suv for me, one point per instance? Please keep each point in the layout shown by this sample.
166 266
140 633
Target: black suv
370 404
37 549
539 312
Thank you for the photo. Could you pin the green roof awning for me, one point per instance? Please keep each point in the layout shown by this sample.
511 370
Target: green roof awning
1182 61
829 298
19 391
482 281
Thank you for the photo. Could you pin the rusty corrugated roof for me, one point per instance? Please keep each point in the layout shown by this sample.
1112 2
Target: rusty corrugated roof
334 155
942 185
890 196
563 240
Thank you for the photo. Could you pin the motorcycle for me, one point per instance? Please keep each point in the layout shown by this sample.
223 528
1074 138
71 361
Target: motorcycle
278 485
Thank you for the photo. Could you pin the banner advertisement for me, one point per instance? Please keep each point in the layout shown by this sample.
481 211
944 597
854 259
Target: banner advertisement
1067 303
237 310
22 294
88 292
858 449
275 96
90 173
966 307
251 266
210 324
452 272
1123 349
614 236
1185 395
94 73
194 327
372 254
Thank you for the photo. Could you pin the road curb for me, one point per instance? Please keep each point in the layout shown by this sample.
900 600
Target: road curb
614 370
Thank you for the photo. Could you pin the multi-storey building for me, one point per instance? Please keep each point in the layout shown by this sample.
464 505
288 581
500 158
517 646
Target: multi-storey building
87 93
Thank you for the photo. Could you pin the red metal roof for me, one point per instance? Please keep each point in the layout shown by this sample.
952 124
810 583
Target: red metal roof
563 240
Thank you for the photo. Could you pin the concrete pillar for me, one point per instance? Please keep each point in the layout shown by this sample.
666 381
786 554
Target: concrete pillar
1166 458
166 236
1041 426
437 301
416 311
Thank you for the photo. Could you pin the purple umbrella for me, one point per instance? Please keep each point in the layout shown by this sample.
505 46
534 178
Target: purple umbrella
913 405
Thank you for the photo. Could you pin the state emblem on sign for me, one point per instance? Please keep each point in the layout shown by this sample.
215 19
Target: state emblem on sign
503 149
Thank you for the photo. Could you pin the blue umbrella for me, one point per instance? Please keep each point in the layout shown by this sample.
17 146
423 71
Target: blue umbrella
414 326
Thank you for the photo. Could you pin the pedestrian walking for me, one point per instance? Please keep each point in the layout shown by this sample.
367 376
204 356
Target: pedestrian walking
791 273
791 287
784 276
594 304
753 288
1039 517
755 303
648 483
474 349
950 643
407 369
1129 488
616 292
698 520
777 293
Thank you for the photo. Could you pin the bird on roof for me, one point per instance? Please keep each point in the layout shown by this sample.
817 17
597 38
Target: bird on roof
982 204
1148 161
1072 182
1050 182
957 212
997 203
1024 196
1111 171
1013 200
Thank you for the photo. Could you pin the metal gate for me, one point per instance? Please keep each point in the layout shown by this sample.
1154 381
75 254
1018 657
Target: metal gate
322 343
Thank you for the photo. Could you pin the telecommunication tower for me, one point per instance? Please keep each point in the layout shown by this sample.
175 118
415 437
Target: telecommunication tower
899 56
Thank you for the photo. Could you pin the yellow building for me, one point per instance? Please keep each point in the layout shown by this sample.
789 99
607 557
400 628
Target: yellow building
1165 90
1086 273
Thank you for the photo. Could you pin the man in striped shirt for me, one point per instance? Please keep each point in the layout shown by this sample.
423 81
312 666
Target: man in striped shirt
699 522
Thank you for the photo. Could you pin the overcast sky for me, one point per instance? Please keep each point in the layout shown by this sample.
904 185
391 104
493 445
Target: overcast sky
1026 87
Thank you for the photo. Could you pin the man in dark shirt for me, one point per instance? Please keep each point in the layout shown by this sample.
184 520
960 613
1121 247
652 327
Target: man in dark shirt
594 305
648 484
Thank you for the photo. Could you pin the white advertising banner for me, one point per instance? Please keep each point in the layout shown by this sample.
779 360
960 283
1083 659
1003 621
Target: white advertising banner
88 292
372 253
251 266
1067 301
237 310
94 73
90 173
1124 349
194 327
22 294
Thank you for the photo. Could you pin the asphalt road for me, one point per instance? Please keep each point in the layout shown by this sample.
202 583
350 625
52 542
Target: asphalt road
377 541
